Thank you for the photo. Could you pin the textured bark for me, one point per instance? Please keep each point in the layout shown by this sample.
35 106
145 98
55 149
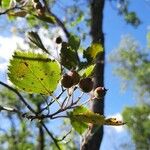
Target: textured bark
94 135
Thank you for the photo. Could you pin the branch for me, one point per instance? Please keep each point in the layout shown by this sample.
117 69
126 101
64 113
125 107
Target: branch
51 135
19 95
60 23
10 9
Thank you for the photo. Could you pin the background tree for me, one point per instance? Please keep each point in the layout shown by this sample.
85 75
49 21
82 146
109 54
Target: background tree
43 13
136 75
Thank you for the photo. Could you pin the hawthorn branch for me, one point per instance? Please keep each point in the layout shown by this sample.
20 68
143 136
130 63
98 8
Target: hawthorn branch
51 135
19 95
10 9
60 23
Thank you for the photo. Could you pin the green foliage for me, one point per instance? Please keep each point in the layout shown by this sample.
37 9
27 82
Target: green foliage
34 73
47 18
138 122
6 3
88 72
92 51
132 18
34 38
69 58
80 118
79 126
74 42
133 64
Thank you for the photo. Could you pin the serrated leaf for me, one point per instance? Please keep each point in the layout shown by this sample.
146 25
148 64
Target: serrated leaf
34 38
88 72
34 73
83 115
91 52
68 56
74 42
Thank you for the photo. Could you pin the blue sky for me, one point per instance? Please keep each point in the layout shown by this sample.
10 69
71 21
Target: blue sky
114 28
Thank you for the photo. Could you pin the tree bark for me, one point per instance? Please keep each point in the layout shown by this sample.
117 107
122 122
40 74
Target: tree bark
93 138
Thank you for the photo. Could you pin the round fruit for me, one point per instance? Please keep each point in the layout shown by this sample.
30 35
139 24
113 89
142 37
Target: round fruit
58 40
75 77
86 85
100 92
66 81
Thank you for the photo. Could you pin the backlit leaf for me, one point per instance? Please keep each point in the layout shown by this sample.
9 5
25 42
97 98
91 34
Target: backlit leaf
34 73
80 127
69 58
91 52
83 115
88 72
113 122
6 3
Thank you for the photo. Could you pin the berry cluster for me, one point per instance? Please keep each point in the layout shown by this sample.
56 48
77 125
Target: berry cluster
85 84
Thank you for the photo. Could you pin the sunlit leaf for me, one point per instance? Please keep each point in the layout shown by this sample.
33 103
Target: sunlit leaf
49 19
17 14
91 52
34 73
34 38
80 127
83 115
88 72
113 122
6 3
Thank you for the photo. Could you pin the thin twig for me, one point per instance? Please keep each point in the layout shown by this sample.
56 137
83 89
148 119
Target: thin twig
10 9
51 135
60 23
19 95
64 136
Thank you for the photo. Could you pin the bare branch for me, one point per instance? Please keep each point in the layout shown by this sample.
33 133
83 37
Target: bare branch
10 9
51 135
60 23
19 95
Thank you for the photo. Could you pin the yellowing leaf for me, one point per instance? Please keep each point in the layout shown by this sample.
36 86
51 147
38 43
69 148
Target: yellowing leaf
94 49
114 122
34 73
87 72
87 116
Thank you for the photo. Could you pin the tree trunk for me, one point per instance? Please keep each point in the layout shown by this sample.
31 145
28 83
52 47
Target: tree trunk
94 135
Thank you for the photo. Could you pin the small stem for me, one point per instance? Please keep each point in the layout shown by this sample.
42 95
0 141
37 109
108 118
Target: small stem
51 135
19 95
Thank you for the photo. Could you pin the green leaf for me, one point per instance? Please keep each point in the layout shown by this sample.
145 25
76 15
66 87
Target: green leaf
81 116
68 57
34 38
74 42
91 52
48 18
34 73
6 3
88 72
21 13
80 127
